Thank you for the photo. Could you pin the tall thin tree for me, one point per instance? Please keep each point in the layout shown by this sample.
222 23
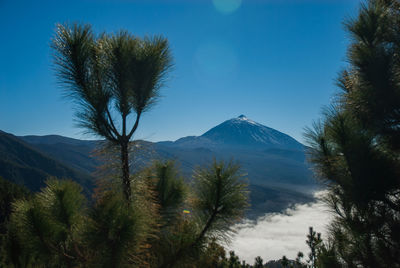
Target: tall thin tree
112 78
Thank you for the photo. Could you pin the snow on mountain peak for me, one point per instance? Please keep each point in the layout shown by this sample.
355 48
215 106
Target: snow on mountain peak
242 118
244 132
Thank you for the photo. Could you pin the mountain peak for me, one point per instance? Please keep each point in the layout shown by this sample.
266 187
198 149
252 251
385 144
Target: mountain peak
241 133
244 132
242 119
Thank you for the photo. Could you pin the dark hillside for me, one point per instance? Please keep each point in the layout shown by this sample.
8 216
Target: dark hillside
22 164
74 153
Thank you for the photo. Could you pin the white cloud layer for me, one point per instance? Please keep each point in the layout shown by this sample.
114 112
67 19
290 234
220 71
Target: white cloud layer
275 235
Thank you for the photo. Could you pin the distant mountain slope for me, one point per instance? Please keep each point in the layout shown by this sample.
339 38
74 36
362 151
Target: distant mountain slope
22 164
74 153
57 139
239 133
269 157
243 132
273 161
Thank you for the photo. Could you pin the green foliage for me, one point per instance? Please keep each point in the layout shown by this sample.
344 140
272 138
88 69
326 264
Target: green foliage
355 150
176 229
167 223
322 254
370 84
214 256
169 187
221 197
46 229
9 192
118 71
9 246
327 257
114 232
217 200
233 260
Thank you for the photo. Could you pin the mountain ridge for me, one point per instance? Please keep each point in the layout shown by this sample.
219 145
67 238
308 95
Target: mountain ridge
240 132
269 156
274 162
22 163
243 131
208 136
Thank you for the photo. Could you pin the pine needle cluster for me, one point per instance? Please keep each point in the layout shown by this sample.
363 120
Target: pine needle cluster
355 149
169 223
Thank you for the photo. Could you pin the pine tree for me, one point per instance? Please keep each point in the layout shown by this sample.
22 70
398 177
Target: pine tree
111 77
11 252
258 262
285 262
9 192
313 241
219 197
298 262
355 149
45 231
233 261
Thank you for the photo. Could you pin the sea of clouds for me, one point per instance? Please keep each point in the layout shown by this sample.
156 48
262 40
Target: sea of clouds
278 234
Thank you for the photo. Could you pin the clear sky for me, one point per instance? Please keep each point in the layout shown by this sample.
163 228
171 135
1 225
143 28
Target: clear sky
273 60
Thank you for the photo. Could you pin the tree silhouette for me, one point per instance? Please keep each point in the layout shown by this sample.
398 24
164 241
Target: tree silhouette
298 261
111 76
313 241
285 262
355 149
233 260
258 262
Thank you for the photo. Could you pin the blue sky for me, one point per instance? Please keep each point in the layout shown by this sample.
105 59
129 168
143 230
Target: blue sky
273 60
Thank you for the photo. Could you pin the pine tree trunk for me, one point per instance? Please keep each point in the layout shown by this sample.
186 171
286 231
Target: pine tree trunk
126 183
